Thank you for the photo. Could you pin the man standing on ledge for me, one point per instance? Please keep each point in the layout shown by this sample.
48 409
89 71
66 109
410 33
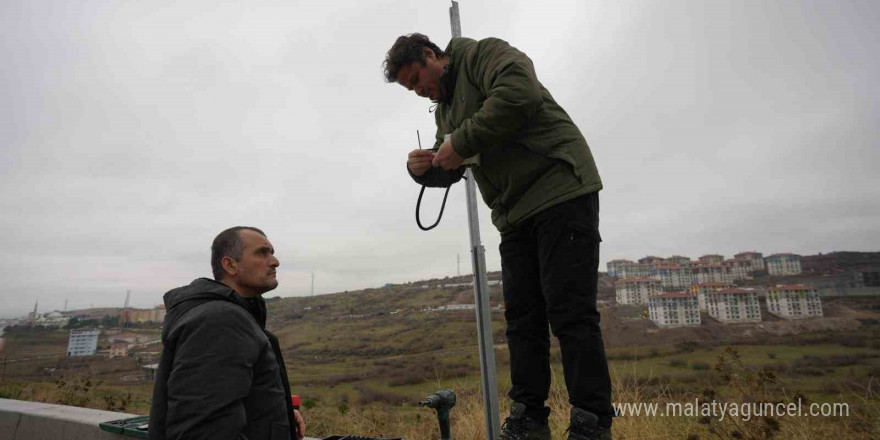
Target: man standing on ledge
536 173
221 375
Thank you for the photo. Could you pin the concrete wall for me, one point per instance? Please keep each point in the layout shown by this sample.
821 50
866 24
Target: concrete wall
20 420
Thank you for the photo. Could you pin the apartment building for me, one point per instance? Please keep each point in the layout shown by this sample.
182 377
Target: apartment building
701 289
138 316
615 266
711 259
711 273
650 259
755 258
674 309
673 276
678 259
733 305
82 342
636 290
783 264
794 301
635 270
739 269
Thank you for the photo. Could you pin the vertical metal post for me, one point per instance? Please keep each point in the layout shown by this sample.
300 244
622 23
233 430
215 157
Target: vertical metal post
489 381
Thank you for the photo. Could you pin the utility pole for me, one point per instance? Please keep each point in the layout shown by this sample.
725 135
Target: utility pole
481 288
34 315
458 263
124 309
313 284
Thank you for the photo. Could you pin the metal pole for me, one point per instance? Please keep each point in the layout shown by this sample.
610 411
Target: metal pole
489 381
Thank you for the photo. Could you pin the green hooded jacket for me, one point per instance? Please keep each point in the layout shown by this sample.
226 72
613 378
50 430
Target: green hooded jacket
532 156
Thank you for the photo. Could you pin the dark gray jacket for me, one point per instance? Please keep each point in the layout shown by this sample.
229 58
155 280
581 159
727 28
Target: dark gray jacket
221 375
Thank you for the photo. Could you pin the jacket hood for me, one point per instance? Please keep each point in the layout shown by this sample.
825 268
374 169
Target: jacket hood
203 290
457 48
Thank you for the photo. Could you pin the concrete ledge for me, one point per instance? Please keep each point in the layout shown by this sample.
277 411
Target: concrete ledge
20 420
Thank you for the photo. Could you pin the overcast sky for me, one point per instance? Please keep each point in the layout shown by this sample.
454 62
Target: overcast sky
131 133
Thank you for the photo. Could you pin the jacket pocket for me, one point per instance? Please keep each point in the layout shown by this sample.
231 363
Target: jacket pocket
280 432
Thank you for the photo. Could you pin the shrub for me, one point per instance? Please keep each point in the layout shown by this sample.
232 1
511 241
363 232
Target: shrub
678 363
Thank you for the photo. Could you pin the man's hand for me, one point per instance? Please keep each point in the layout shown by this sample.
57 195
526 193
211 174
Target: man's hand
447 158
419 161
300 425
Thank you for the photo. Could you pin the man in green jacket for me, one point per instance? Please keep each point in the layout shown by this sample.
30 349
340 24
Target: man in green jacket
535 171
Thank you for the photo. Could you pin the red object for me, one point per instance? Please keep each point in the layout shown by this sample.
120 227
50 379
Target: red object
295 400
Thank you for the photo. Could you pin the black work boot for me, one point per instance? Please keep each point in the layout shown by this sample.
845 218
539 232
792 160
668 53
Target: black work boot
519 426
584 425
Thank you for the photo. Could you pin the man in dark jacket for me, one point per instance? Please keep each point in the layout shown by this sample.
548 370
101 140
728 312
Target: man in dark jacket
535 171
221 375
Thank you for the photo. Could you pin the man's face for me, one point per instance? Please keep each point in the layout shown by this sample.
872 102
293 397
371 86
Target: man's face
255 272
424 80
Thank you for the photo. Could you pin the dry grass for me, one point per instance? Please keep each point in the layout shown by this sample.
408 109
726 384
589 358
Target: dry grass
468 423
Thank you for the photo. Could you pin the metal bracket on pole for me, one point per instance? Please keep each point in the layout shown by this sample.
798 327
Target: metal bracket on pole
489 381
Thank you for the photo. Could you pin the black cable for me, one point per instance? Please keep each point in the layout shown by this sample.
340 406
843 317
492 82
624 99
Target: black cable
442 207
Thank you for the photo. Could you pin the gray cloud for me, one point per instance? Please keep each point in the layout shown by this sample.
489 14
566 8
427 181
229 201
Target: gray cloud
131 133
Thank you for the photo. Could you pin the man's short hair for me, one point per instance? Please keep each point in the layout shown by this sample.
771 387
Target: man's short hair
405 51
228 244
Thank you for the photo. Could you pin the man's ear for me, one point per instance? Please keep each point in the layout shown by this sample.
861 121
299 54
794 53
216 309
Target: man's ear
427 54
230 266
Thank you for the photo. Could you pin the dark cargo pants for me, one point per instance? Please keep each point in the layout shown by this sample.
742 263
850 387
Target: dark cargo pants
550 269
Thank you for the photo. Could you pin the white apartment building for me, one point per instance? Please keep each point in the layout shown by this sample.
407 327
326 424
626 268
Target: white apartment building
650 259
756 258
82 342
711 259
701 289
637 290
794 301
674 309
615 266
678 259
673 276
783 264
733 305
711 273
739 269
635 270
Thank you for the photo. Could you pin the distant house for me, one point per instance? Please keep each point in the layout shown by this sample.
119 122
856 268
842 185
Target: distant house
794 301
733 305
755 258
118 349
636 290
82 342
149 372
783 264
674 309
